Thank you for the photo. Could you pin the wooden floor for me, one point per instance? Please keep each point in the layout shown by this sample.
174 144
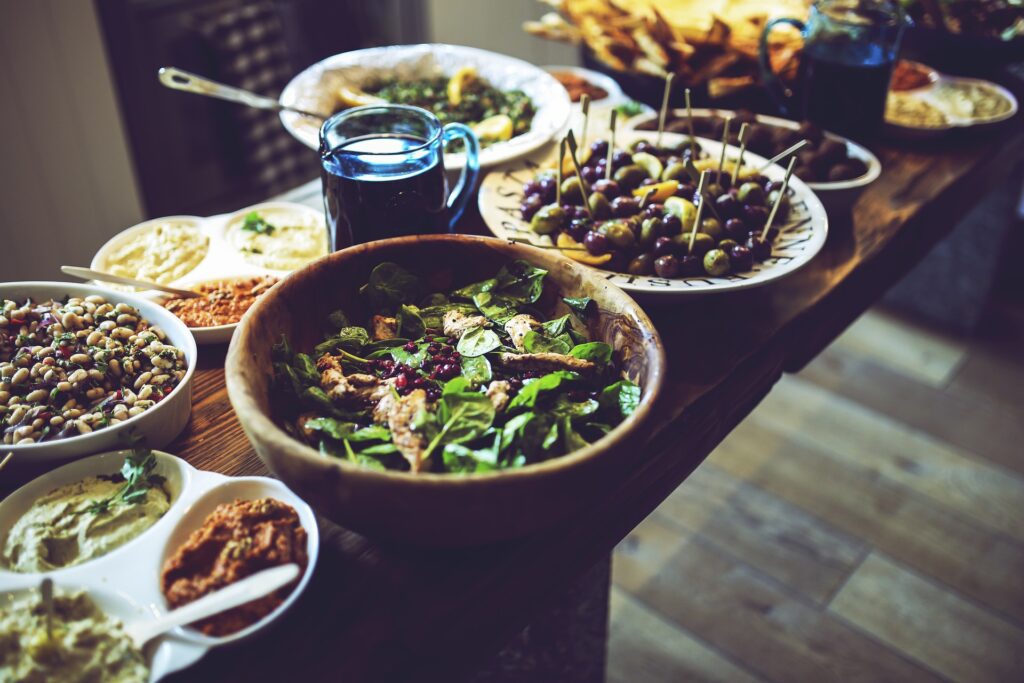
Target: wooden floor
865 523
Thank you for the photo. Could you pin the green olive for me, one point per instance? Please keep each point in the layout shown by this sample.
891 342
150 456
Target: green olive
676 171
784 205
547 220
620 235
629 177
641 265
701 243
677 147
714 190
716 262
750 193
650 229
726 245
600 207
713 227
572 190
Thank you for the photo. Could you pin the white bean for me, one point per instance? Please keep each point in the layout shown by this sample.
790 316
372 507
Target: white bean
36 396
142 379
20 376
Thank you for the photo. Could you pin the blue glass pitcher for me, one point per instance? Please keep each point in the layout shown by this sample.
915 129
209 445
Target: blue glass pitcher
382 169
850 47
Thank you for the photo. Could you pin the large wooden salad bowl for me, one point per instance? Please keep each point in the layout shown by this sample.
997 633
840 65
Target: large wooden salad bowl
437 509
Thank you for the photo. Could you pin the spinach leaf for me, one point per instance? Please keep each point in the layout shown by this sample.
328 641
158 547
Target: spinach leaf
410 324
564 406
538 342
534 389
620 399
282 350
598 352
458 457
433 316
571 440
351 339
333 428
521 281
476 370
435 299
556 327
477 342
467 416
389 286
411 358
469 291
305 368
494 307
370 433
579 306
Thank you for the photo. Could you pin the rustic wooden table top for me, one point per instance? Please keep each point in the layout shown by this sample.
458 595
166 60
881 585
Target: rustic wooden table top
385 612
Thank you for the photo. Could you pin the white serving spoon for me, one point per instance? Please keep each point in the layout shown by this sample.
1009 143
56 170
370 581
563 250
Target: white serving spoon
238 593
90 274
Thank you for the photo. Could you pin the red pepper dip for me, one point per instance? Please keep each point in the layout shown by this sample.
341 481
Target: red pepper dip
222 303
908 75
236 540
578 86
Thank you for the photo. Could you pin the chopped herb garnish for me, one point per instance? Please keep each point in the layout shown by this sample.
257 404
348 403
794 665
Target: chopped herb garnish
256 223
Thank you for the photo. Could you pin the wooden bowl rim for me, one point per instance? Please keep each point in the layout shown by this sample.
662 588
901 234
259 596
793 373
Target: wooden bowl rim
274 437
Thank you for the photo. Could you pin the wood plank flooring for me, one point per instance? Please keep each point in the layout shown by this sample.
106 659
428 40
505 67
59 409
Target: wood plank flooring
865 523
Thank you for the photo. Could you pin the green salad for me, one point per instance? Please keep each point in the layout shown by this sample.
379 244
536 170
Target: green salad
471 380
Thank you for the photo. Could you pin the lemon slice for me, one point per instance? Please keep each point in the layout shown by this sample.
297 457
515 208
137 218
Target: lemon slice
729 167
457 83
354 97
684 209
577 252
498 127
662 191
650 163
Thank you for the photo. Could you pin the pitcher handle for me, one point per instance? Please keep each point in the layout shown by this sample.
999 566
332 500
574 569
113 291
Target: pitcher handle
771 81
463 190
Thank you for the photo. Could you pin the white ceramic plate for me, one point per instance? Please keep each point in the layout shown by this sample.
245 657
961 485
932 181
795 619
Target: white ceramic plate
615 95
954 119
313 90
126 581
158 425
802 236
222 261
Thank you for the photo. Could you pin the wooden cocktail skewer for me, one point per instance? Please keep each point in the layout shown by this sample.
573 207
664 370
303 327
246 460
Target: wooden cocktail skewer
571 139
689 123
611 145
743 149
664 108
725 145
585 108
700 209
7 459
783 154
778 199
558 174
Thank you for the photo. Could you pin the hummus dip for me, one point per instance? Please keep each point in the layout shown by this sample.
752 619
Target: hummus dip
63 528
162 253
86 644
279 239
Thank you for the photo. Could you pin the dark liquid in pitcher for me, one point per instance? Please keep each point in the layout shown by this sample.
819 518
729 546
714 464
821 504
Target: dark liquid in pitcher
362 205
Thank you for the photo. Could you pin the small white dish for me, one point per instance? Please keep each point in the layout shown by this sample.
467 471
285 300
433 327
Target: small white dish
929 94
126 581
801 237
157 426
313 90
614 92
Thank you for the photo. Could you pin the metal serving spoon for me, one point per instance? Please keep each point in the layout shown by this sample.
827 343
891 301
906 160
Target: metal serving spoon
176 79
233 595
90 274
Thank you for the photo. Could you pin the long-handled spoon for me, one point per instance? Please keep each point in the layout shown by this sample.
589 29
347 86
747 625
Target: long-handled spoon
233 595
176 79
90 274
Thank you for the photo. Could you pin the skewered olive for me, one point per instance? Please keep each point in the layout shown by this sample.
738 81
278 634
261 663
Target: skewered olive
599 149
578 227
690 266
784 205
629 177
620 235
713 227
650 230
727 244
701 243
713 190
654 209
589 174
548 185
666 266
572 190
530 205
531 187
741 258
755 216
641 265
736 229
671 224
596 243
621 158
600 207
716 262
727 206
760 248
547 220
663 246
609 188
676 171
624 206
751 193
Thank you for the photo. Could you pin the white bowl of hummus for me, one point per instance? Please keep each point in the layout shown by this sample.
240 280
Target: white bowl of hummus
161 250
156 426
277 236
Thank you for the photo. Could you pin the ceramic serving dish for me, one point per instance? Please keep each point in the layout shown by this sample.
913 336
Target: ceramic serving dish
835 195
931 94
314 90
802 234
615 95
126 582
157 426
428 508
223 260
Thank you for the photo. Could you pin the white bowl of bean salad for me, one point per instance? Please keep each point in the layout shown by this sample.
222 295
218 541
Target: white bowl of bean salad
85 369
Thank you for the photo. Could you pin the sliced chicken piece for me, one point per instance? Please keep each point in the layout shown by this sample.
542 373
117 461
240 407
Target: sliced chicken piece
497 391
518 326
401 414
351 389
383 327
547 362
455 323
